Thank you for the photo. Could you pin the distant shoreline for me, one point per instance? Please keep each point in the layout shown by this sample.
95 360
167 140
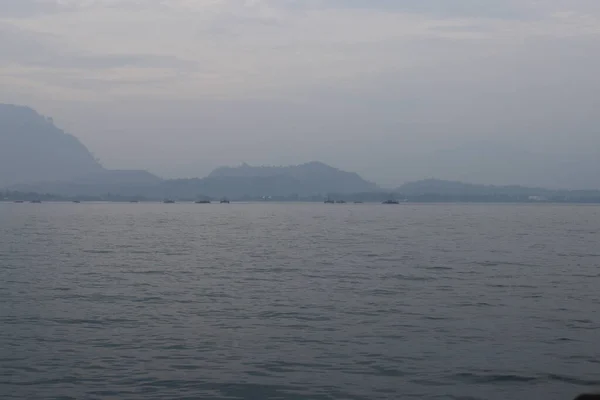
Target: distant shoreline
300 201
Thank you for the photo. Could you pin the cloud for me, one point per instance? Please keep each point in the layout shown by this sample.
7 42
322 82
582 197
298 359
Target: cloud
277 81
22 47
202 49
28 8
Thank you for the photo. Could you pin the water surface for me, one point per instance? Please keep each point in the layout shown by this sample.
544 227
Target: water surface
299 301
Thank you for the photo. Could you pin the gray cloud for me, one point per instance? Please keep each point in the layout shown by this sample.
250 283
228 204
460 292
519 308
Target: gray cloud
374 86
42 50
28 8
504 9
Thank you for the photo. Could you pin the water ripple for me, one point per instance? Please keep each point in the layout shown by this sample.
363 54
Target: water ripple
299 301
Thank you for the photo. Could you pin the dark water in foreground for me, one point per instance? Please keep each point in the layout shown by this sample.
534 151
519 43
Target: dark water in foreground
299 301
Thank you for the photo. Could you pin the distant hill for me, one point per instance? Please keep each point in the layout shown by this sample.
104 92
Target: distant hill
441 190
495 163
312 179
36 155
284 188
451 188
123 182
308 179
33 149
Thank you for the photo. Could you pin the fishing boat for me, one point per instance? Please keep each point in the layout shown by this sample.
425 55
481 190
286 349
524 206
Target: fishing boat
169 201
202 202
225 201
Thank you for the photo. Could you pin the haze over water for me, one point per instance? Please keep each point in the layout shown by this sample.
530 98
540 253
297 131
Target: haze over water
299 301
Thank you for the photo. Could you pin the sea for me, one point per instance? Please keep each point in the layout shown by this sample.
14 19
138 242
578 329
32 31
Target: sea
299 301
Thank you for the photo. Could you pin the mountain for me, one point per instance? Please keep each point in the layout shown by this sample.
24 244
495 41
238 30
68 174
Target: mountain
306 179
453 188
312 179
503 164
440 190
33 149
36 155
123 182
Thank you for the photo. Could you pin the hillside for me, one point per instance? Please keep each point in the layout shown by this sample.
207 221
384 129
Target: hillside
36 155
504 165
452 188
310 178
441 190
33 149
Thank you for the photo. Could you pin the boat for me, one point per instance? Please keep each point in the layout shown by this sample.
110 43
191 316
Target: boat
329 201
36 201
202 202
76 201
391 202
169 201
225 201
340 202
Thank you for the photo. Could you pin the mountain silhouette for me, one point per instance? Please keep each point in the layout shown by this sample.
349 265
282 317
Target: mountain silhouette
33 149
307 179
312 179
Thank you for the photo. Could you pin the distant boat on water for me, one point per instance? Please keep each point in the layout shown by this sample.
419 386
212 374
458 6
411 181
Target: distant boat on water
391 202
340 202
225 201
329 201
36 201
202 202
76 201
169 201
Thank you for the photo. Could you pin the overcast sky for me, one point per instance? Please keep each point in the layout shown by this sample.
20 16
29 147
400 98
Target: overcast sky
181 86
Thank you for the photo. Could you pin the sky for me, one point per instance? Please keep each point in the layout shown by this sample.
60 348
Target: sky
391 89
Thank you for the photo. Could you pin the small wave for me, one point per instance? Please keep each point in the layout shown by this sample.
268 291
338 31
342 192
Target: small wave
76 321
61 381
439 268
576 255
514 378
149 272
87 321
104 393
413 278
391 372
493 378
185 367
505 263
573 381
